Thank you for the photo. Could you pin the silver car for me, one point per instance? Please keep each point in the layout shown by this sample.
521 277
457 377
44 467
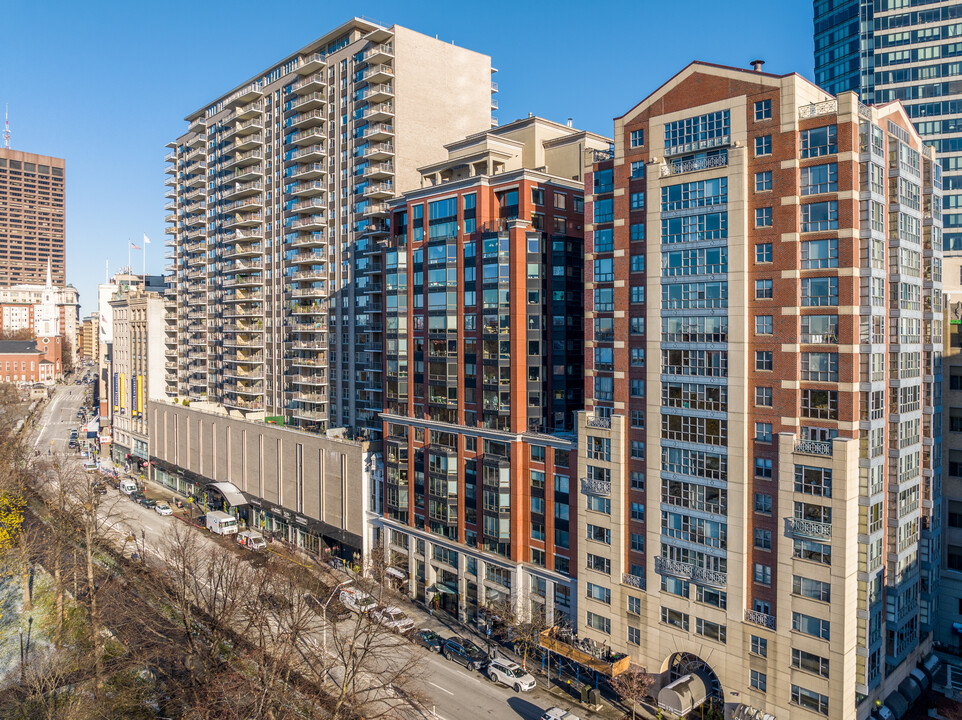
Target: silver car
510 674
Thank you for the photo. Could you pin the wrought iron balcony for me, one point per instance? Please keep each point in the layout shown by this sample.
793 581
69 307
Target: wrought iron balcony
808 528
666 566
828 107
814 447
633 580
694 165
759 618
592 486
594 421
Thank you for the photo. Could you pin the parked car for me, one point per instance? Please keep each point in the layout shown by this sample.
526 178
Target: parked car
429 639
136 496
556 713
335 609
147 502
275 601
510 674
357 600
99 488
464 652
163 508
394 618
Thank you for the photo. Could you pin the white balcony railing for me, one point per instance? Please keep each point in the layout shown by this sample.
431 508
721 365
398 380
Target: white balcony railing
814 447
760 618
687 166
809 528
666 566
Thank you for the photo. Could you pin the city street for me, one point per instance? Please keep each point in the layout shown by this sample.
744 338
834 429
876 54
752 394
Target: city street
454 692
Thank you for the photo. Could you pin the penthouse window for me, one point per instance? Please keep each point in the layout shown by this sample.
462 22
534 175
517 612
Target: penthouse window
702 131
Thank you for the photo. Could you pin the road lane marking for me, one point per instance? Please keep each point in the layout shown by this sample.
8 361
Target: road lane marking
441 688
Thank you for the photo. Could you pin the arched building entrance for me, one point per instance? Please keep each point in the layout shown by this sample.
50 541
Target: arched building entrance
691 683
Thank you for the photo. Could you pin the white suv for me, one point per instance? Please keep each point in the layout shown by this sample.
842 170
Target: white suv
511 674
394 618
358 601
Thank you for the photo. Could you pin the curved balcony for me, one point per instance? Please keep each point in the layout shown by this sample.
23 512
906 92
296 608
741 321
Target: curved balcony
315 308
309 222
243 159
307 137
309 292
315 379
379 92
244 281
241 189
311 205
313 258
249 142
379 151
197 141
311 153
309 101
249 172
249 110
232 401
379 191
243 249
379 170
379 131
309 83
245 220
309 188
311 63
309 171
378 73
379 112
309 240
310 274
379 53
308 119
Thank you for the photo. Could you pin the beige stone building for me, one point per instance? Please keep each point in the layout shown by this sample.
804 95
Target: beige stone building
137 361
277 207
759 450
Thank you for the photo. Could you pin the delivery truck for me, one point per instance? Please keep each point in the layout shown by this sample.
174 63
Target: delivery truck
221 523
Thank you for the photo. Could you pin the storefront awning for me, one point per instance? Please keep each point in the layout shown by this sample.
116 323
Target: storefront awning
683 695
897 704
393 571
230 492
443 589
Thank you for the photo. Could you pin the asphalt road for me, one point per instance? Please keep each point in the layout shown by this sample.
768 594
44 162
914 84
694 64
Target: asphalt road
455 692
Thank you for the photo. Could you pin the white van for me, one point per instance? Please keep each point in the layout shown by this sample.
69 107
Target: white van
251 539
128 487
221 523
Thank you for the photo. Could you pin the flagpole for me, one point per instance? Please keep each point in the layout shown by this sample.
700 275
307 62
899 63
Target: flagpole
129 266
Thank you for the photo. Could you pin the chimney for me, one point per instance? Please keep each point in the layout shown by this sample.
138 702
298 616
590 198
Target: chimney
757 65
571 122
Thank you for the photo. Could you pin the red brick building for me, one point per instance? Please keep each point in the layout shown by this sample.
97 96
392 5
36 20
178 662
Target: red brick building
483 372
763 319
25 362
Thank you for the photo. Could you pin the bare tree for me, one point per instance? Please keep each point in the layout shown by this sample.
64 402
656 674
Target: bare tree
633 686
522 629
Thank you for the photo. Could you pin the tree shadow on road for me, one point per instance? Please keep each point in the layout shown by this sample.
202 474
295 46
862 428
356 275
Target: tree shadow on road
524 709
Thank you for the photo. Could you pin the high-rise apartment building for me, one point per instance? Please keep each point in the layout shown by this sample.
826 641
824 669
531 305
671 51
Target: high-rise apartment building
761 441
32 224
904 50
277 204
483 297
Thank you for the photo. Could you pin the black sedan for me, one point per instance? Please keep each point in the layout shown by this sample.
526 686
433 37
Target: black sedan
429 639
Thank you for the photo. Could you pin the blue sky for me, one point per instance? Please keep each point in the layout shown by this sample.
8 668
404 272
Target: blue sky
106 85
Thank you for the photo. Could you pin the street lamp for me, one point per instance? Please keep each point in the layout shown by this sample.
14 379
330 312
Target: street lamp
324 615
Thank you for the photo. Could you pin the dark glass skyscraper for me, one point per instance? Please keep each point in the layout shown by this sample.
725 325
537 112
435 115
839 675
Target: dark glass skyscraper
904 50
